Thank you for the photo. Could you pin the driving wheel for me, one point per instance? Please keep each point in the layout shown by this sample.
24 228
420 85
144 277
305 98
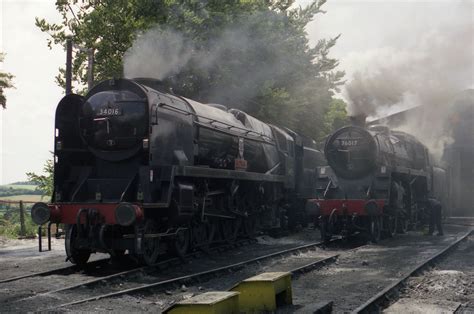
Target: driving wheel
150 243
77 256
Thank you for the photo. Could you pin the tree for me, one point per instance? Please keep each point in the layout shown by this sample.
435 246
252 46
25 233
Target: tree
5 82
253 54
335 117
44 181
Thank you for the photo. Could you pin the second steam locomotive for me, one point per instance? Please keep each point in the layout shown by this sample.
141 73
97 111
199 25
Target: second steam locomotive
140 169
377 181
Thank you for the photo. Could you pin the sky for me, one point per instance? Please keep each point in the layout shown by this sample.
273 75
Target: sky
367 28
27 125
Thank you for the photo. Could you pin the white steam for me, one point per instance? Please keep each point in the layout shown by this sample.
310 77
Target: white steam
157 53
246 50
429 74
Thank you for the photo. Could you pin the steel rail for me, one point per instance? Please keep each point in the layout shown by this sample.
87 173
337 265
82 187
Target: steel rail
200 275
376 303
54 271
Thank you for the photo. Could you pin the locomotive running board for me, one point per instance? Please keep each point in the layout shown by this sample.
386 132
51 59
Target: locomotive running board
192 171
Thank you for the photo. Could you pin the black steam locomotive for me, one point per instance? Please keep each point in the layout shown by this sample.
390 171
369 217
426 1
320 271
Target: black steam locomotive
138 168
376 181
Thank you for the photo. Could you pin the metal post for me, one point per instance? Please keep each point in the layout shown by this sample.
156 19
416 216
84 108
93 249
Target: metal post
90 68
49 235
40 242
22 220
68 66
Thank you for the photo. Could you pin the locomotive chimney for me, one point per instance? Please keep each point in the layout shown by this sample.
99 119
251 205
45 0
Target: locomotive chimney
358 120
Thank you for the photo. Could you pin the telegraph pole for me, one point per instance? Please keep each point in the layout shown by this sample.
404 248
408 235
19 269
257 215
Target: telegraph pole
90 68
68 65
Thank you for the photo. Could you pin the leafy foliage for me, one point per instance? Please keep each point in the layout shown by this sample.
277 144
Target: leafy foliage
44 182
259 56
335 117
5 82
10 224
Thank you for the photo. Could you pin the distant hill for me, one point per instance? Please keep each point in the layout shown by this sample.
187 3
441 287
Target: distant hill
23 183
19 188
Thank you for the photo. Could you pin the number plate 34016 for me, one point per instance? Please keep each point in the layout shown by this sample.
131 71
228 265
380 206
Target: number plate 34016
109 112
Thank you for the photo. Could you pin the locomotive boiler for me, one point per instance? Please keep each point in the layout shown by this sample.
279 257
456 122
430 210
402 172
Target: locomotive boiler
376 181
142 170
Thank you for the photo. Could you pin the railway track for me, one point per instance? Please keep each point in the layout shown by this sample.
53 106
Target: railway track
390 293
101 262
115 286
101 272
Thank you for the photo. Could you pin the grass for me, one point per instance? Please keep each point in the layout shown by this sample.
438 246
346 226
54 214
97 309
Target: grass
10 225
24 197
10 215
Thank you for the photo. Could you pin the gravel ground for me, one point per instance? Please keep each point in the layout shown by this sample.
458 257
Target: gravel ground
449 282
362 273
11 292
356 276
160 300
467 221
19 257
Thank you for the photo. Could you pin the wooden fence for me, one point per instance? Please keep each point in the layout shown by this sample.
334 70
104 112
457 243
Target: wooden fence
6 205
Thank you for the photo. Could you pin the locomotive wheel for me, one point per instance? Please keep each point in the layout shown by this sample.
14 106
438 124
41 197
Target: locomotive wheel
181 243
375 227
229 229
390 225
78 257
402 225
325 229
118 253
200 235
150 246
328 226
212 231
249 225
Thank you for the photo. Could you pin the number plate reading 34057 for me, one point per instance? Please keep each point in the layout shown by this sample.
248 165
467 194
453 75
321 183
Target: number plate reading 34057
109 112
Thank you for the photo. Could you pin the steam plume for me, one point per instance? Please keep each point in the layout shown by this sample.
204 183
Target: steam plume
246 50
429 74
157 53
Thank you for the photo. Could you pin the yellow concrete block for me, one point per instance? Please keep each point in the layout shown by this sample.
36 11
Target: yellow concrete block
214 302
264 292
